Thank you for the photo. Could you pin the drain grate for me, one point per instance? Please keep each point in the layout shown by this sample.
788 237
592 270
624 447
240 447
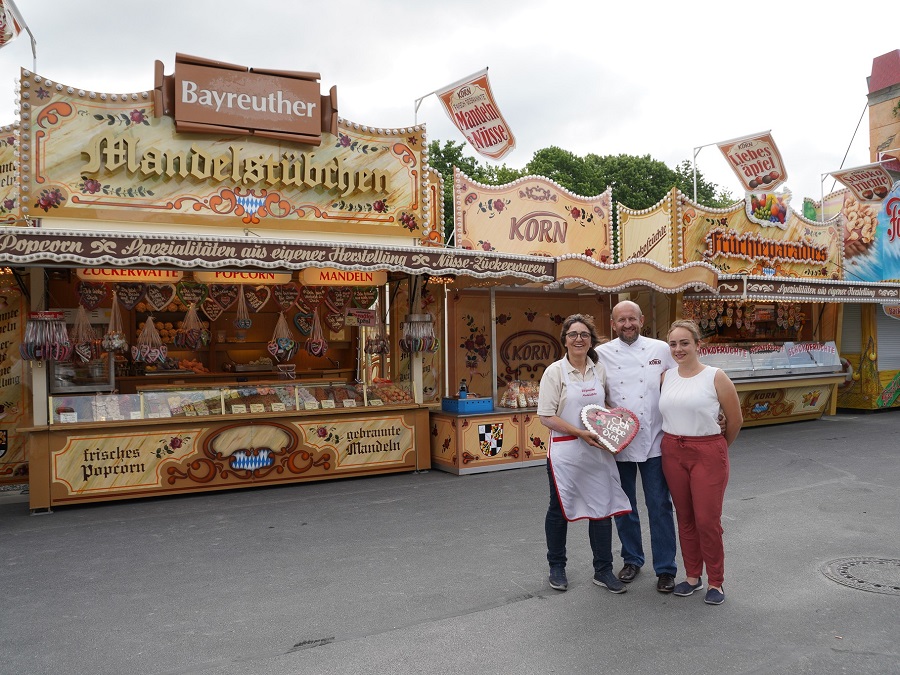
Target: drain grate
876 575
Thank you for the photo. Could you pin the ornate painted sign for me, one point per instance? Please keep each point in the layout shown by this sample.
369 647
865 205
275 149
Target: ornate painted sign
532 216
647 233
732 242
30 246
9 192
111 157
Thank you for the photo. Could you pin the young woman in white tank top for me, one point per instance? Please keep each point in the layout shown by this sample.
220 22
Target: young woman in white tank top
695 457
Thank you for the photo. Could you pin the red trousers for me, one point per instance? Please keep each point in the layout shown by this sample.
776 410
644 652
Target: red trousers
696 470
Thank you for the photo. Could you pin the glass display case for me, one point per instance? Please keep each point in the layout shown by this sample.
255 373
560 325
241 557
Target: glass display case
98 408
96 375
181 401
757 360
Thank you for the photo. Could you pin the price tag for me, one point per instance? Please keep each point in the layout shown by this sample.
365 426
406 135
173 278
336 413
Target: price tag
375 401
136 415
278 407
257 407
311 405
327 403
238 408
153 416
190 412
349 403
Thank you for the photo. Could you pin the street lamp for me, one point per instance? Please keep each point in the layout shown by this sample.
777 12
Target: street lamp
697 152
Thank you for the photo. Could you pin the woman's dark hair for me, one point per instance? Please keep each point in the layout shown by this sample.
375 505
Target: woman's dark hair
588 321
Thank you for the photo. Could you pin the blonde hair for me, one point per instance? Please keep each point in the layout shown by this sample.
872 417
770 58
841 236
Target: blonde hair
689 326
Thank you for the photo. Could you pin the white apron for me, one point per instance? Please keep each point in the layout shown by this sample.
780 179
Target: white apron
587 480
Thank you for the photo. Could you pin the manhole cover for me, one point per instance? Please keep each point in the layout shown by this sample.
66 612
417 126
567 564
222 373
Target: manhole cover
877 575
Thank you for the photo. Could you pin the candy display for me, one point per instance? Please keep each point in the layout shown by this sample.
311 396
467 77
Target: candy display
390 392
418 334
114 338
45 338
149 347
520 394
282 346
316 344
191 334
377 342
85 343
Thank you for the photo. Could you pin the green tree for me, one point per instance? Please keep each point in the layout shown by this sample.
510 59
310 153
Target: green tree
444 157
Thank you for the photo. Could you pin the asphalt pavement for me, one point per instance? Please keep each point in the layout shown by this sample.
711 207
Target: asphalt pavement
435 573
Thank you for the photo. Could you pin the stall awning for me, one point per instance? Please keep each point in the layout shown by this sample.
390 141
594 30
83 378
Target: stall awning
36 247
769 289
580 271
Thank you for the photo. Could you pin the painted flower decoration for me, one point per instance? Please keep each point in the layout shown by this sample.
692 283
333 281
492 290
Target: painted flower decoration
503 318
9 204
49 199
485 245
326 434
530 314
321 432
576 212
137 116
168 447
408 221
476 344
379 206
589 252
91 186
42 93
344 140
499 205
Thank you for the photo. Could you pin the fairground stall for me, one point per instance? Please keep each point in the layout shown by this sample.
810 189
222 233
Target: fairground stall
870 213
216 303
774 321
500 339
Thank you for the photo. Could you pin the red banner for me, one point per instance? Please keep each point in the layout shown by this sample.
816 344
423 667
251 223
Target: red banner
756 161
470 105
11 23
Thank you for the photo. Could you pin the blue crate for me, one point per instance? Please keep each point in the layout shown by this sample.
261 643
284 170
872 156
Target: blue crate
467 406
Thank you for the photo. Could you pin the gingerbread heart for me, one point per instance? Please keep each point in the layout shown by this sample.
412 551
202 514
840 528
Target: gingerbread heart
257 296
338 297
303 322
224 294
335 321
286 295
212 309
91 293
130 294
364 297
615 428
312 296
191 292
159 296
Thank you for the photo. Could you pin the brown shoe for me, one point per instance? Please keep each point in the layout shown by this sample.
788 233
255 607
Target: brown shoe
665 583
628 573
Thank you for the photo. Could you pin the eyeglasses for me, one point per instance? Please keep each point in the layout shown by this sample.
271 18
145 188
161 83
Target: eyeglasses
574 335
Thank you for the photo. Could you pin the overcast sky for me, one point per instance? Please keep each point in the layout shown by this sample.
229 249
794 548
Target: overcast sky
651 77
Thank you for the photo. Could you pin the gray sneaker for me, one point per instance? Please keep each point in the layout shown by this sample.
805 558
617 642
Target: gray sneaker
609 581
558 579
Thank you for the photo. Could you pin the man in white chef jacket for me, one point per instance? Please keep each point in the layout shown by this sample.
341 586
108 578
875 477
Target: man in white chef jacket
633 366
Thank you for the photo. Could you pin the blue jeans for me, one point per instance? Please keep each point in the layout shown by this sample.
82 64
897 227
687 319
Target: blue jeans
659 513
556 528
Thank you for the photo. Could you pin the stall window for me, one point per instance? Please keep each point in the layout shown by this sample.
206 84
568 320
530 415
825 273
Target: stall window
851 335
888 341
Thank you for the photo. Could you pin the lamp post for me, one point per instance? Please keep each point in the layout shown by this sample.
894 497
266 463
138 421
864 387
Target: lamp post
697 152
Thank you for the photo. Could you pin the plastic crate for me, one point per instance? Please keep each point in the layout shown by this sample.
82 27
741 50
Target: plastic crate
469 405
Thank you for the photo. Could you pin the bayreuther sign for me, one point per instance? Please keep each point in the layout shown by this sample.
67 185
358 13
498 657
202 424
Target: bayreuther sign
207 96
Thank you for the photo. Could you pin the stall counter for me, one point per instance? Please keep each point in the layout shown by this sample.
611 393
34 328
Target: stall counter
98 461
503 438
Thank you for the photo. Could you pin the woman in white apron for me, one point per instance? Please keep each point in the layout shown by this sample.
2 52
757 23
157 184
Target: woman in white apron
584 481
